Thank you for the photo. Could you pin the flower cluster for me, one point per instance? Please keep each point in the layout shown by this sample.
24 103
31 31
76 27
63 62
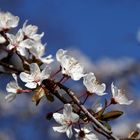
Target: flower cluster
36 75
71 67
26 42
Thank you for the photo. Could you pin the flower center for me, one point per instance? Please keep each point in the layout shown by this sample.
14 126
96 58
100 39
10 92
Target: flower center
37 79
68 122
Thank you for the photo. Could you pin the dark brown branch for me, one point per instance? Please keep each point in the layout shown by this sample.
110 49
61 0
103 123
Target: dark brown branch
9 67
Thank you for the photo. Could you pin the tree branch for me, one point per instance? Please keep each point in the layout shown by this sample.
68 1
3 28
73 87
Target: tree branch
87 113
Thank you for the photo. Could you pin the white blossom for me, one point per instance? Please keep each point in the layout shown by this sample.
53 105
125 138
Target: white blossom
24 46
118 96
7 21
66 120
13 88
36 76
17 42
92 85
86 133
59 54
47 60
30 31
70 66
37 49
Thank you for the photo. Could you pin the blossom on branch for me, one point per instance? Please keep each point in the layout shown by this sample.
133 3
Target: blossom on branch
13 88
67 119
70 66
7 21
93 85
30 31
17 43
60 53
118 96
38 50
86 133
36 76
27 48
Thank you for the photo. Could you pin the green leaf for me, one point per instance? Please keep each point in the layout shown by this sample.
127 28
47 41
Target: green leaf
111 115
106 124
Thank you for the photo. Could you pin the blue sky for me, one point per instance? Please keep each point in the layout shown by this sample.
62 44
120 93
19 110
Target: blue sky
98 28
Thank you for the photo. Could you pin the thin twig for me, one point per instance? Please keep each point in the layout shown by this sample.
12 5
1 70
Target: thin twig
9 67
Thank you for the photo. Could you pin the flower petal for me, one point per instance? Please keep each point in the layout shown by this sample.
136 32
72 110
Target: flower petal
99 89
59 118
67 111
69 132
123 100
45 74
2 39
25 77
23 51
47 60
8 20
77 72
12 21
114 90
77 130
12 87
15 77
19 36
61 129
119 96
74 117
37 49
88 81
92 84
91 136
59 54
10 47
37 37
34 70
31 85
